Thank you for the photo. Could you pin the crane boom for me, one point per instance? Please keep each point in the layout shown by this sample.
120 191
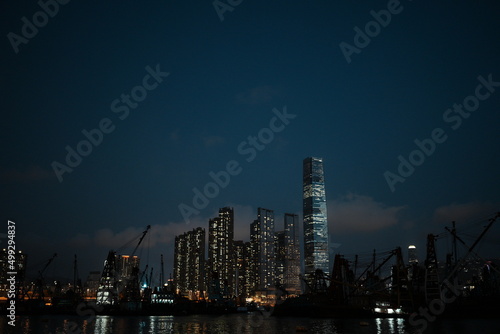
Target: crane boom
140 240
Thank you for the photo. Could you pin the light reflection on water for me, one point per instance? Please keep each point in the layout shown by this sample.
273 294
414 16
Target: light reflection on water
237 323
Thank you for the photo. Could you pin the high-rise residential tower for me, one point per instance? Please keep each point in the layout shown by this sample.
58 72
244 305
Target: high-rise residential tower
263 251
280 257
221 260
242 269
292 254
315 217
189 263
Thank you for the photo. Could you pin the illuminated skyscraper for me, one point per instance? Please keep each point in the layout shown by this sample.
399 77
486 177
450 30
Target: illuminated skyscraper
180 264
412 254
280 256
292 254
315 217
221 260
254 258
125 265
242 268
263 250
189 263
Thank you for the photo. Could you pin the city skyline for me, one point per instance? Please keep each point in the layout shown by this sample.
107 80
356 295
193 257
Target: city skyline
268 263
111 122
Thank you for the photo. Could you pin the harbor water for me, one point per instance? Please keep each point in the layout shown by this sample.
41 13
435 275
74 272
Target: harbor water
236 323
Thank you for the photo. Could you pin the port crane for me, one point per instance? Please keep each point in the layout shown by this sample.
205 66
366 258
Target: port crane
111 291
433 284
37 292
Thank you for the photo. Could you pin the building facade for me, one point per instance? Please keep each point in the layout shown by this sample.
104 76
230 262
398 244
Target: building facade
280 253
189 264
242 251
316 254
263 250
221 260
124 266
292 254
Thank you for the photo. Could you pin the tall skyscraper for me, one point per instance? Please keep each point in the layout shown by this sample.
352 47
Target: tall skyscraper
412 255
242 268
263 249
196 263
180 264
280 256
255 236
221 260
315 217
292 254
189 263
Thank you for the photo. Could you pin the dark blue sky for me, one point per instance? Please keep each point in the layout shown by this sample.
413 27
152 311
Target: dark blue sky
225 79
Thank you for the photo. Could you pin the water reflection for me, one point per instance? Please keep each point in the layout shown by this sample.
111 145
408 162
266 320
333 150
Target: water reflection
103 324
390 325
237 323
163 324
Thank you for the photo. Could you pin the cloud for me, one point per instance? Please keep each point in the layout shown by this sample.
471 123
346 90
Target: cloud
210 141
94 246
464 212
358 213
257 95
158 235
31 174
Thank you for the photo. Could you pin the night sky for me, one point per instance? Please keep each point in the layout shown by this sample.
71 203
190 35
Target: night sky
177 93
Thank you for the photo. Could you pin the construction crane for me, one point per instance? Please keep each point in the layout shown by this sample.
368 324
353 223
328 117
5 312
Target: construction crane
459 266
108 292
132 291
39 283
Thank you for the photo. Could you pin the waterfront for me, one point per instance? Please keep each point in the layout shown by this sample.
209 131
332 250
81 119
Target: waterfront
237 323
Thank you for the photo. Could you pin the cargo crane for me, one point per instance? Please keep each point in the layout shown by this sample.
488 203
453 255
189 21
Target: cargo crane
37 292
110 292
476 296
435 285
470 250
131 297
